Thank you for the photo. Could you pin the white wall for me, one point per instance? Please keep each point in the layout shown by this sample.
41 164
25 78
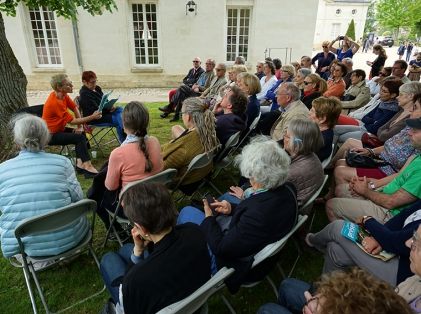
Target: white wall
326 16
106 40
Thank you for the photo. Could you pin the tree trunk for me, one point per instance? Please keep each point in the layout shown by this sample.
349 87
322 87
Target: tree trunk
12 92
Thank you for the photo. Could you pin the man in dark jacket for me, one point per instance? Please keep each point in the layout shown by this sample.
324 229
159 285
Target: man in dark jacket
230 114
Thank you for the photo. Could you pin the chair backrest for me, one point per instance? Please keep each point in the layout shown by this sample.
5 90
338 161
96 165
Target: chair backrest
194 301
198 162
252 126
326 162
273 248
163 177
34 110
53 220
315 194
229 145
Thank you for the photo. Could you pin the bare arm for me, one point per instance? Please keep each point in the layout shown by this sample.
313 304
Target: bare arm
330 47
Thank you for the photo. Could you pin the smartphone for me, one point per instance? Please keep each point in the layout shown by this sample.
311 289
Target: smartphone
210 200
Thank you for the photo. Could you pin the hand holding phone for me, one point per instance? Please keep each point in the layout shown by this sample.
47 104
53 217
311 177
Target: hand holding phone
210 199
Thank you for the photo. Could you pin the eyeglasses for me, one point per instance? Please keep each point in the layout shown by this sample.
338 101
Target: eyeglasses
324 46
414 239
93 82
306 83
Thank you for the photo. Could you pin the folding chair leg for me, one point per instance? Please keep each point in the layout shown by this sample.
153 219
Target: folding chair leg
296 260
228 304
281 270
28 285
41 294
214 187
272 284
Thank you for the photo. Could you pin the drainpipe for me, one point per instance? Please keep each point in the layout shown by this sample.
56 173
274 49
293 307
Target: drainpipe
77 44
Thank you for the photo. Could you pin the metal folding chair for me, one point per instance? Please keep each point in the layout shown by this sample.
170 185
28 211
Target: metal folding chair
198 298
267 252
163 177
50 222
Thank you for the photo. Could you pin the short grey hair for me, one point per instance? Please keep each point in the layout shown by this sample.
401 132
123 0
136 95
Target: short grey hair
240 60
264 161
30 132
411 88
304 71
305 137
292 90
347 60
57 81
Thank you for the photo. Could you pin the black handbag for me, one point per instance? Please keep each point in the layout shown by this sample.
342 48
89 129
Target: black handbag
356 160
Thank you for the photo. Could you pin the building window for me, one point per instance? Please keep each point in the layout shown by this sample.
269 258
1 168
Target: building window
336 28
145 33
45 37
338 11
237 33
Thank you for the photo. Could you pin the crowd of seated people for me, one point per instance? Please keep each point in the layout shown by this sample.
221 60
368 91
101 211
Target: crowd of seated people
283 167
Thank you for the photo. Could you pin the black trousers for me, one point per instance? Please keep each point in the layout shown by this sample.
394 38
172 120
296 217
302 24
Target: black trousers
68 137
266 122
182 93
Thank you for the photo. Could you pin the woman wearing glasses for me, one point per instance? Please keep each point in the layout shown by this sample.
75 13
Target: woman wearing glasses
314 87
323 59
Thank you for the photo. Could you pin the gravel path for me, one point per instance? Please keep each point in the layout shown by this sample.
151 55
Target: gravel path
126 95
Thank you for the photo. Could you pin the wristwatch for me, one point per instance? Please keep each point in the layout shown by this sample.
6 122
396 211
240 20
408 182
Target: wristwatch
365 219
372 185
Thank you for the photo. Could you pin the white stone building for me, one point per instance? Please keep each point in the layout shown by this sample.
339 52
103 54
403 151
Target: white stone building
152 43
334 16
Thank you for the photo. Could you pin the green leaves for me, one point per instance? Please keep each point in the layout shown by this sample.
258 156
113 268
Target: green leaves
398 13
65 8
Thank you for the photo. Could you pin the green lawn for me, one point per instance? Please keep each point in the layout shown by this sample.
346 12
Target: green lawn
81 277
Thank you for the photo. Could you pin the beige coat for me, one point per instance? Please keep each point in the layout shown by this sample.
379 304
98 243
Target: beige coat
296 110
361 93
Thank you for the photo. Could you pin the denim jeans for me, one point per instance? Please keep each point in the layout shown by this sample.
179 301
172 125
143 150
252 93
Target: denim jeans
117 122
113 265
291 298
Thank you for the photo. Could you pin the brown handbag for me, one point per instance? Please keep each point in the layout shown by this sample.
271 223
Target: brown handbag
370 140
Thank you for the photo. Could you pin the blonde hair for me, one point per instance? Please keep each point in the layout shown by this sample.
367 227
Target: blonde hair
204 121
251 81
321 85
357 291
329 108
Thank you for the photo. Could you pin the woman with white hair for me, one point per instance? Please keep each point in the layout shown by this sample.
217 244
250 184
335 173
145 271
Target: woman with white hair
302 140
35 183
236 232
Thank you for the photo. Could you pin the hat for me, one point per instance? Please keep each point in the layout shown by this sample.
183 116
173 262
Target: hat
414 123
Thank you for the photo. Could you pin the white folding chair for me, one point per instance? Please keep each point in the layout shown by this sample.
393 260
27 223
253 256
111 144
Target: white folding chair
223 160
47 223
252 126
163 177
310 201
199 162
267 252
198 298
326 162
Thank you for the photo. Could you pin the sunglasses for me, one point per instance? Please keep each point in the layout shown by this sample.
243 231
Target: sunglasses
324 46
306 83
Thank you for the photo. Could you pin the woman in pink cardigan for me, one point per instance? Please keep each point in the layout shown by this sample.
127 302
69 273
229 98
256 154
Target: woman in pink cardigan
138 157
